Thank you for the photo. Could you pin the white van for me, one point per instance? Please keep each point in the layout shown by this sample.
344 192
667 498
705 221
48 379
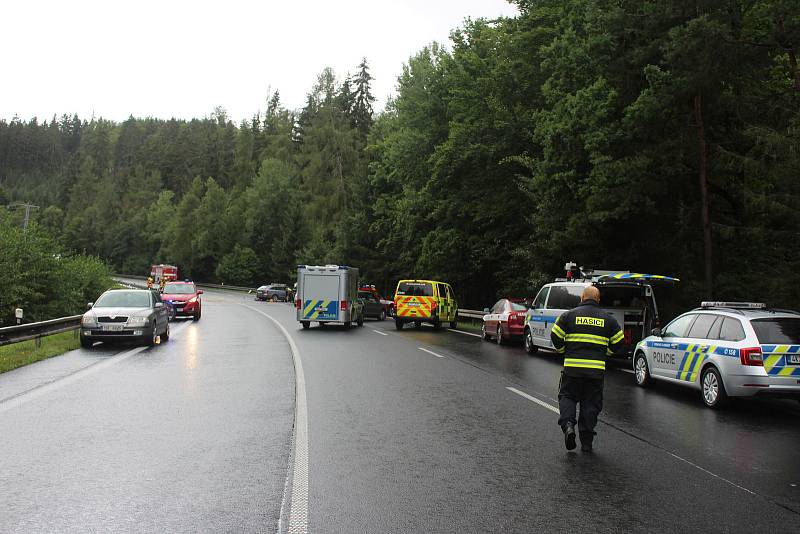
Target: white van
629 297
328 294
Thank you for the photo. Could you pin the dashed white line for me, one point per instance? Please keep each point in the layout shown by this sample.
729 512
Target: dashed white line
430 352
534 399
465 333
298 507
379 332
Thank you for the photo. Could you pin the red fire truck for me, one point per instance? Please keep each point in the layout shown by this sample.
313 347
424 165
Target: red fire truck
165 272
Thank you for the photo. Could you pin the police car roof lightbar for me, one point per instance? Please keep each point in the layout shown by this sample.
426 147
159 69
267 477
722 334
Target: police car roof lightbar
737 305
637 276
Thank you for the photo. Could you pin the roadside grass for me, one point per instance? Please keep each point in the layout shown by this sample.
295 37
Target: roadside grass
470 324
24 353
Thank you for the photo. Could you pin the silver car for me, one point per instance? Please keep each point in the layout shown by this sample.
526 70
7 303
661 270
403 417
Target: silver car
725 349
125 315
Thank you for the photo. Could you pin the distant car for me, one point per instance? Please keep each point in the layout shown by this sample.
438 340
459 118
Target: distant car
184 297
275 293
125 315
725 349
388 305
504 321
373 307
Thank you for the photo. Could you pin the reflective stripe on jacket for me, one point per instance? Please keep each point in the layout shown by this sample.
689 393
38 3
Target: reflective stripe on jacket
586 335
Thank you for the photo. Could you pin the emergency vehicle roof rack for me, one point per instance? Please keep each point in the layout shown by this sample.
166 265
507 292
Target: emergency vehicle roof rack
734 305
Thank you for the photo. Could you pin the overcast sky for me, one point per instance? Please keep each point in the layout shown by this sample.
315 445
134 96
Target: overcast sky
178 58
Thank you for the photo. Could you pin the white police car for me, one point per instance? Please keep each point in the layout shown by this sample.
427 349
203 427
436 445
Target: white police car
725 349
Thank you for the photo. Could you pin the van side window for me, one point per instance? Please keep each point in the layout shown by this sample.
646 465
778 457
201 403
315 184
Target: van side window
541 298
564 297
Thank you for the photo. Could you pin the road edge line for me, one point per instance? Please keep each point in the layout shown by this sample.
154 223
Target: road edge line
533 399
430 352
465 333
298 504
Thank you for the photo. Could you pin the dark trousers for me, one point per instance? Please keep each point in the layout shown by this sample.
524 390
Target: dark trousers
586 391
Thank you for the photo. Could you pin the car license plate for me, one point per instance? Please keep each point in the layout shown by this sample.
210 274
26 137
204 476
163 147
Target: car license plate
179 308
113 327
413 304
793 359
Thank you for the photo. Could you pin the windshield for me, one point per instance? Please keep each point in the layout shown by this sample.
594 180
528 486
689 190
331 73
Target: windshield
784 331
179 289
124 299
415 289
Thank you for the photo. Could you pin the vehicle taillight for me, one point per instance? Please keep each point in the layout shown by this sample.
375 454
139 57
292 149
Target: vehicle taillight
751 356
433 305
297 304
344 305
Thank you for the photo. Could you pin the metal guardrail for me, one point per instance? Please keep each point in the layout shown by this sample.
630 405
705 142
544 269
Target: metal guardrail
471 314
25 332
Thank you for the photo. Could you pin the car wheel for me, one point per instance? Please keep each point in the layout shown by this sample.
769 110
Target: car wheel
712 389
274 298
165 335
500 339
306 324
484 334
417 324
530 347
322 325
348 324
360 321
196 316
153 338
453 323
86 343
437 324
641 371
382 315
398 324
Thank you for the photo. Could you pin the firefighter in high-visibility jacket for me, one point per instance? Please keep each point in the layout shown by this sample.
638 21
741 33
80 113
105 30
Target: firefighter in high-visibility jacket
585 335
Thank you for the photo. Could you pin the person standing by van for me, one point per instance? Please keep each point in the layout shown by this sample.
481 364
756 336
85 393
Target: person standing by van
586 335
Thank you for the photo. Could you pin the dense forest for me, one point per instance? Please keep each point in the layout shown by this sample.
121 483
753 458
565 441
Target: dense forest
653 136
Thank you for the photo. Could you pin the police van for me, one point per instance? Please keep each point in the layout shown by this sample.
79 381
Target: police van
328 294
725 349
629 297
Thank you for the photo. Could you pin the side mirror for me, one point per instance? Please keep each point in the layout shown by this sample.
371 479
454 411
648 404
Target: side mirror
89 306
486 310
656 332
200 291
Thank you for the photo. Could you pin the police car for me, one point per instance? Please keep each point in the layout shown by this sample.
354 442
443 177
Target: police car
725 349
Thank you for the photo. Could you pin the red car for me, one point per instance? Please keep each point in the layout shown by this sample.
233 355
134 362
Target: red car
184 298
506 320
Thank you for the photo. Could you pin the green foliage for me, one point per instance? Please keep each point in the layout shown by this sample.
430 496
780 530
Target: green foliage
570 132
41 279
238 267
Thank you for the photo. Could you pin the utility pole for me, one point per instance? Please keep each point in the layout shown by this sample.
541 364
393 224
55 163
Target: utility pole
27 207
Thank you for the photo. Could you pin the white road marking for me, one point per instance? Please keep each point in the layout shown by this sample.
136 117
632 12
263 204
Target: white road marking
684 460
430 352
534 399
629 371
58 383
465 333
298 506
379 332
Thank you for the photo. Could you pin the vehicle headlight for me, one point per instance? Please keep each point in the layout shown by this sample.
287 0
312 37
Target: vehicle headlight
88 320
138 320
193 299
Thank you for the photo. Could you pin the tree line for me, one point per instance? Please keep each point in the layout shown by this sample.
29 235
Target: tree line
652 136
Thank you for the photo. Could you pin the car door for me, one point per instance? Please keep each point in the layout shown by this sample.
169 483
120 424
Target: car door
667 353
161 312
490 319
535 317
697 345
562 298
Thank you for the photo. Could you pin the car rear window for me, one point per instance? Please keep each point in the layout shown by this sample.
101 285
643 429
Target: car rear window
415 289
365 294
518 307
779 331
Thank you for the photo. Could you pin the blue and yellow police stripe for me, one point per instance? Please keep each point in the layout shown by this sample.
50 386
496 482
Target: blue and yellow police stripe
775 360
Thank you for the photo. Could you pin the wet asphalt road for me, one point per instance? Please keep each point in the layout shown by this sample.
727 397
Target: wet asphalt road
194 435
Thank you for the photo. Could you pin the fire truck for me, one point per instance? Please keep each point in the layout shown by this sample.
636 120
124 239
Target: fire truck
165 272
